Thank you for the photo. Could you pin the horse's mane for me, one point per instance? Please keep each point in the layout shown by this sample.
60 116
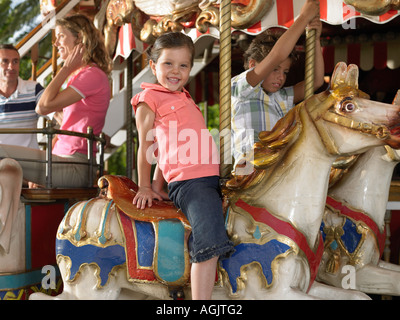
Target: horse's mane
268 151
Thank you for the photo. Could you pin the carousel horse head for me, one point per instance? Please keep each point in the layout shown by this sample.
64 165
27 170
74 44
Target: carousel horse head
343 117
345 111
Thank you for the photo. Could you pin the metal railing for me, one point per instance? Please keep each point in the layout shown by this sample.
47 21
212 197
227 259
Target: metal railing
49 131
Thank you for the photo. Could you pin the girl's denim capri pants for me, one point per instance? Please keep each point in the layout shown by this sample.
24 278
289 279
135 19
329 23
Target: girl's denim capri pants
200 201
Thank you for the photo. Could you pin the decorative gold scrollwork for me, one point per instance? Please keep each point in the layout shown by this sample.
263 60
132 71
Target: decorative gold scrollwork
245 16
203 14
209 16
374 7
118 12
152 29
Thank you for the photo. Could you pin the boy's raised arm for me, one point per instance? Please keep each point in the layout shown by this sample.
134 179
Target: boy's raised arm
285 43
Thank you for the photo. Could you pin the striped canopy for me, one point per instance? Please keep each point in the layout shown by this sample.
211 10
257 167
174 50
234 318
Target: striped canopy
369 53
334 12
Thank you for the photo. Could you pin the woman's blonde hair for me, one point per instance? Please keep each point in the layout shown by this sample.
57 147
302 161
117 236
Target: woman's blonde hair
83 28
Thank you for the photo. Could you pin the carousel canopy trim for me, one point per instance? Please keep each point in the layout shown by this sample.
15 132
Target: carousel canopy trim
282 14
377 51
127 42
334 12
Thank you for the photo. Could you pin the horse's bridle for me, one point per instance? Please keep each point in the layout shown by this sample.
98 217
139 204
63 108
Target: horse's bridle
380 131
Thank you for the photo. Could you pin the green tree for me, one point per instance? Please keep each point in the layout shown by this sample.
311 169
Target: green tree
17 18
117 162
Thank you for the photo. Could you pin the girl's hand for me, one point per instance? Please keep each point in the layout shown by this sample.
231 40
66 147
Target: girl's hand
145 195
74 60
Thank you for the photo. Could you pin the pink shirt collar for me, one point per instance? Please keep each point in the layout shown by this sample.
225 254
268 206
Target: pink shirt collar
158 87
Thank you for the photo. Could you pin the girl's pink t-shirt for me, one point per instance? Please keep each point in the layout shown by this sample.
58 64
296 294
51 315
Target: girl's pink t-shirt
184 145
92 84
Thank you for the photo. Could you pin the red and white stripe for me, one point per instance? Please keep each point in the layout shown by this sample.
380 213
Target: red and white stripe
282 14
369 55
335 12
127 42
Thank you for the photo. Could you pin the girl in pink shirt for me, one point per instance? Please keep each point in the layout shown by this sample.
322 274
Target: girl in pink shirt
171 125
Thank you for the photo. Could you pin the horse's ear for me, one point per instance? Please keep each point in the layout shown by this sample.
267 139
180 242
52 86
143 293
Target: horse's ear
352 76
339 75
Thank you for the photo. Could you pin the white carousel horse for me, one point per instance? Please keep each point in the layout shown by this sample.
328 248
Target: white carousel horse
12 218
292 192
274 214
354 224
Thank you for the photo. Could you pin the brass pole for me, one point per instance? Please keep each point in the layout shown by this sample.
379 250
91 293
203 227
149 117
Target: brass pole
128 114
225 88
54 54
309 64
34 60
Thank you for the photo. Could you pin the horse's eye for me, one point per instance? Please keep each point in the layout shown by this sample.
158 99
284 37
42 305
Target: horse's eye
347 106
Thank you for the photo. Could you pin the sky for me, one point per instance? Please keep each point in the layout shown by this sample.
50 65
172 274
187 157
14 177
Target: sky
15 2
24 29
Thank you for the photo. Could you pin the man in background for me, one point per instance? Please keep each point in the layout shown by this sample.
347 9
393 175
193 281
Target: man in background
18 99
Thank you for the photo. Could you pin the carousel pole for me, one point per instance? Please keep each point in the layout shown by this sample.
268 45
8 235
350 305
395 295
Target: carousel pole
225 88
309 63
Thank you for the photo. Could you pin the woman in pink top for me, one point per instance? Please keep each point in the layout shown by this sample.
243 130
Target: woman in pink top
171 125
84 102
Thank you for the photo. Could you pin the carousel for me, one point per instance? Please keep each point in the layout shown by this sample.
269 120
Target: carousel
310 221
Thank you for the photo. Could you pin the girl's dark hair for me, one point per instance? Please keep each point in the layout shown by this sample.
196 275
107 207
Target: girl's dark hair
171 40
262 45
